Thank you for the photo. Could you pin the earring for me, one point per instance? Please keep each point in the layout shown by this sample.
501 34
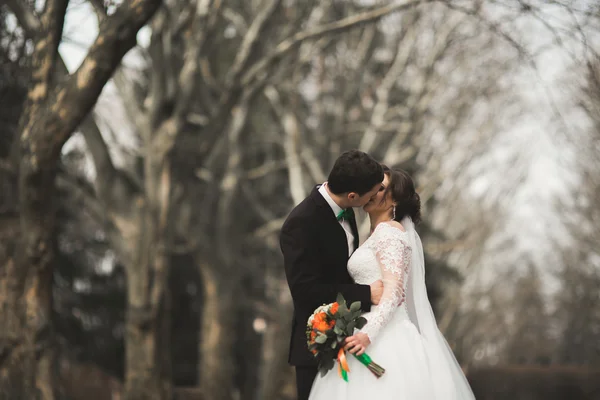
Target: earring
394 213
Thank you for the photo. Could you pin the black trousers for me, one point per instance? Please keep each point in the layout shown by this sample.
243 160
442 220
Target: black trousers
304 380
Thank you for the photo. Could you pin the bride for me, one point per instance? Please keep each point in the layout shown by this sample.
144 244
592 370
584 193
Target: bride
401 334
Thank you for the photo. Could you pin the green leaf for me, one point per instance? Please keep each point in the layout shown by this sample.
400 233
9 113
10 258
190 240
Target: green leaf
337 330
351 327
344 313
360 322
321 339
340 299
355 306
325 365
334 344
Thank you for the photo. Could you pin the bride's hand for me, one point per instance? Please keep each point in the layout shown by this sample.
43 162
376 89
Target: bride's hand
357 343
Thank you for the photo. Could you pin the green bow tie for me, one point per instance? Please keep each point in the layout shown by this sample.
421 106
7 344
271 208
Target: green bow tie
347 214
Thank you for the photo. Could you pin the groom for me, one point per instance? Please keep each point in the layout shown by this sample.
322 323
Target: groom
316 240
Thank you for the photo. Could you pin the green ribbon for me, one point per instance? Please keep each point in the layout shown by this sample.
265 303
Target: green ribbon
347 214
344 375
364 359
375 368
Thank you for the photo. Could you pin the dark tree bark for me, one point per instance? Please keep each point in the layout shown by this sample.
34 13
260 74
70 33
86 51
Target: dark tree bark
53 109
217 340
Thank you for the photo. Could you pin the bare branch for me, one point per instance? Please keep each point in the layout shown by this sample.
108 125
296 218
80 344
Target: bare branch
398 151
342 25
232 174
52 20
98 148
27 19
313 165
236 19
493 27
88 128
405 47
269 228
290 127
208 76
265 169
46 52
159 90
99 8
364 50
78 94
250 40
43 63
206 18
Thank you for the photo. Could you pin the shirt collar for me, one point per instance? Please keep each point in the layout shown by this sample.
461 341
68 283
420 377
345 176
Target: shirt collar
323 190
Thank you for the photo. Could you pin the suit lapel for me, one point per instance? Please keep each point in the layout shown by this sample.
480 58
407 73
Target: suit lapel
330 222
355 233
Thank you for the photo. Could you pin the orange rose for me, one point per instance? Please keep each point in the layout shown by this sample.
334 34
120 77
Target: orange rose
320 317
313 336
321 325
334 308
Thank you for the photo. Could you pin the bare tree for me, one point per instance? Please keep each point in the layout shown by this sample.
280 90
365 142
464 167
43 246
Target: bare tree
53 109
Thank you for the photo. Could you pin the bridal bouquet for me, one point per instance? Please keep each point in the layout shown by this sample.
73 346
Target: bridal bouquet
326 330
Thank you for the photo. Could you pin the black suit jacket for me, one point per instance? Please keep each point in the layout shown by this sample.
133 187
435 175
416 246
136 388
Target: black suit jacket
315 253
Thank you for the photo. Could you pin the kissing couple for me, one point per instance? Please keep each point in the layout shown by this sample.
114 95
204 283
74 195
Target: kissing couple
322 257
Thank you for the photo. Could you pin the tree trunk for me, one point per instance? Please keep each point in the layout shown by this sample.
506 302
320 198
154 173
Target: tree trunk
217 334
54 108
276 340
11 343
148 327
148 355
28 359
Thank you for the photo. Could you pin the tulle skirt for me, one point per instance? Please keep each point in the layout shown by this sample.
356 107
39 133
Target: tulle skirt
400 349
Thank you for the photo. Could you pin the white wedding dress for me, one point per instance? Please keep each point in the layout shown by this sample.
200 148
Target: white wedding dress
418 363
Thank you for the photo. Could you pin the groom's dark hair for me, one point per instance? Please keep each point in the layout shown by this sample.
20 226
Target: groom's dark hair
354 171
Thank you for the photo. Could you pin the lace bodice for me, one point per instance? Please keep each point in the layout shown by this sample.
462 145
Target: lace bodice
384 255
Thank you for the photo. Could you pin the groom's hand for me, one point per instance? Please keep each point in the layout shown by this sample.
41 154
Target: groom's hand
376 291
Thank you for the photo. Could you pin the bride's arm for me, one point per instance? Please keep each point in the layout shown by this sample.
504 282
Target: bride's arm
393 254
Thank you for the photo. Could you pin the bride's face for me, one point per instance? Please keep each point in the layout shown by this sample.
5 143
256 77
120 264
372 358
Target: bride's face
378 204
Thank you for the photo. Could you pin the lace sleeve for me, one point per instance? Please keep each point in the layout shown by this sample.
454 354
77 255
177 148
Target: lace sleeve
393 255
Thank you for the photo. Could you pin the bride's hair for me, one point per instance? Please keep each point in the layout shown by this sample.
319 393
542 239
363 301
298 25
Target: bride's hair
402 189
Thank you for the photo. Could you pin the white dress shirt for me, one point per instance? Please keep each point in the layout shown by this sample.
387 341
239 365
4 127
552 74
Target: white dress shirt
344 223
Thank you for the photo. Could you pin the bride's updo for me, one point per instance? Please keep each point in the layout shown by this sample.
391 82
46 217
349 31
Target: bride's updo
402 189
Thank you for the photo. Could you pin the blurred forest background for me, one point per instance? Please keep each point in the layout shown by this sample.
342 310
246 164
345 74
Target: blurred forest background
150 151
